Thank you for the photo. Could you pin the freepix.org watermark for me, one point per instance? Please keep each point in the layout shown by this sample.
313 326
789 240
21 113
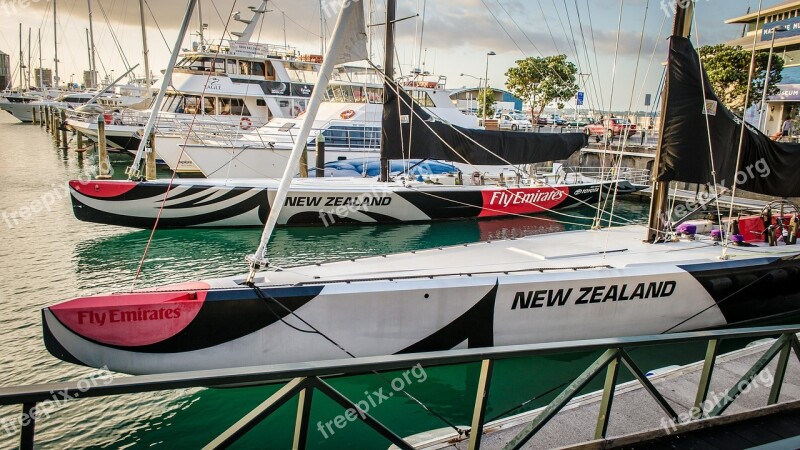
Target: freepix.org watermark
100 377
371 401
758 169
44 203
668 6
331 8
764 379
13 7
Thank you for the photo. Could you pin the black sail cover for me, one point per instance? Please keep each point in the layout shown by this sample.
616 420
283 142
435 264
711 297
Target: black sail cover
419 135
766 167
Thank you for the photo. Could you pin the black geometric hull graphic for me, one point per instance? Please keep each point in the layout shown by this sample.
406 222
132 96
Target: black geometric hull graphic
476 326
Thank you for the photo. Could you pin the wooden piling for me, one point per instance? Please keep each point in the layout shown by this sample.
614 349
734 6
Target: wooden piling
150 162
320 170
40 109
62 121
304 162
57 129
102 150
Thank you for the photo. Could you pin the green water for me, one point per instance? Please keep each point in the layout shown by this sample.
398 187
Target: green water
46 255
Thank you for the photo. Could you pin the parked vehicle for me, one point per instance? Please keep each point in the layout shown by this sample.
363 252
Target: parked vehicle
555 119
513 122
611 128
580 122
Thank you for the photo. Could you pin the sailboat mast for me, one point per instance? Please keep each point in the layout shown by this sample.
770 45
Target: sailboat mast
682 26
200 18
145 52
388 68
133 170
41 70
89 56
93 61
28 78
21 62
55 46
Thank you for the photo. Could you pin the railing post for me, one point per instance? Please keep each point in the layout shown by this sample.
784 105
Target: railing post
780 371
28 426
705 378
301 423
608 399
481 399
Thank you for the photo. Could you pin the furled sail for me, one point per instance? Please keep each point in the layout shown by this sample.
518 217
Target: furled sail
419 135
766 167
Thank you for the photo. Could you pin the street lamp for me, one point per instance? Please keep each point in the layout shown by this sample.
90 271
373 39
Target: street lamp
478 91
486 77
775 31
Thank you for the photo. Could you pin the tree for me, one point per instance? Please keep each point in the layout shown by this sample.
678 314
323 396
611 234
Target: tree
542 80
486 102
727 68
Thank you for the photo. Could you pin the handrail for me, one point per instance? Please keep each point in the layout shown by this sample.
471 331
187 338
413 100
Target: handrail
302 379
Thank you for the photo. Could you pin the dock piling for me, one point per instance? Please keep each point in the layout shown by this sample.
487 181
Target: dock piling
150 163
304 163
320 170
62 124
102 152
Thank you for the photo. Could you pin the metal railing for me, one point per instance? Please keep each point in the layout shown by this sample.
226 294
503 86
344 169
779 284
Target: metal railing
305 379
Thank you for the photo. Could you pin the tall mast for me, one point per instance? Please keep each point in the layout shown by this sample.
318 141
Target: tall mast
92 62
21 62
321 29
388 68
133 170
89 55
28 78
682 26
200 18
55 46
41 71
148 80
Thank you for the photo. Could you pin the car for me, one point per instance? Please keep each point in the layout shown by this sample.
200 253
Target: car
611 128
513 122
580 122
540 120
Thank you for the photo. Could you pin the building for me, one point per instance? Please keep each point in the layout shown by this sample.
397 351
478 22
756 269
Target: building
88 80
787 46
5 71
47 74
466 99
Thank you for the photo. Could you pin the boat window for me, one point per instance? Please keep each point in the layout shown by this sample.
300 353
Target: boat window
257 69
244 67
422 98
358 94
189 105
208 105
219 65
375 95
261 102
233 106
232 67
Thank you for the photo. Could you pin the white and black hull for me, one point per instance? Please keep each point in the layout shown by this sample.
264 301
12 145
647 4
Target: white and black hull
535 289
329 201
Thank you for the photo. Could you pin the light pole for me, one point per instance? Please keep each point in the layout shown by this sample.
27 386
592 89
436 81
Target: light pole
480 80
763 126
486 89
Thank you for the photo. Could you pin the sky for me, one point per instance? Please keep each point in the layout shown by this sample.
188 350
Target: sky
619 44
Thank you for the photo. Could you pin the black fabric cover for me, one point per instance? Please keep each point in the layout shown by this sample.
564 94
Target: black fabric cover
766 167
433 139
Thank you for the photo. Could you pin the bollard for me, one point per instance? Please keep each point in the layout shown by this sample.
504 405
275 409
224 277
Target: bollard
102 152
320 170
304 162
150 162
62 123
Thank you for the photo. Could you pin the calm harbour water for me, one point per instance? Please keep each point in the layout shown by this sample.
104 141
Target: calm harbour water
46 255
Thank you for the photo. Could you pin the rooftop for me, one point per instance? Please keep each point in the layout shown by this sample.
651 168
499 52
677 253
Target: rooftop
777 9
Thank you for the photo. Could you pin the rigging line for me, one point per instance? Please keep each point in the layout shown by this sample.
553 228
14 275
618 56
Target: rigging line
158 27
214 5
630 107
175 171
514 21
708 123
743 125
125 62
594 80
567 37
264 297
613 79
312 33
594 51
422 33
547 24
526 402
572 34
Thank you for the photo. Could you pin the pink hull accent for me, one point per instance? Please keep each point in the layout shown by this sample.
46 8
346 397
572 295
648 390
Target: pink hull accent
136 318
102 189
